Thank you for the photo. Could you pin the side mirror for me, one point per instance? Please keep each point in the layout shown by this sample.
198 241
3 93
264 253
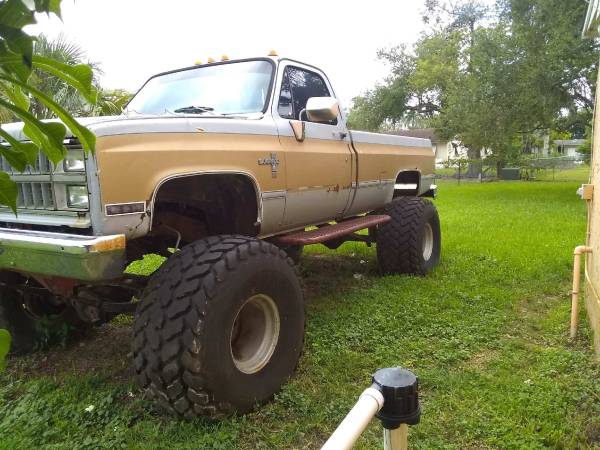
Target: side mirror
322 109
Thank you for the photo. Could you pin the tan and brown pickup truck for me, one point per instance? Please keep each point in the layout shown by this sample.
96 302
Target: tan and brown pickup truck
227 169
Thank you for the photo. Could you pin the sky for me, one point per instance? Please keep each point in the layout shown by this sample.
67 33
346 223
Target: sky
134 39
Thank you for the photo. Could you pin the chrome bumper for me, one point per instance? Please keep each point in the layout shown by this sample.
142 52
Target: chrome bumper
89 258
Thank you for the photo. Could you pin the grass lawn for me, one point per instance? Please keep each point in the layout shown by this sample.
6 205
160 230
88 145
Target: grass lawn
576 173
486 334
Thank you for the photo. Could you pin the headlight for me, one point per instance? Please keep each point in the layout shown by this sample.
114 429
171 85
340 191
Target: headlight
74 161
77 197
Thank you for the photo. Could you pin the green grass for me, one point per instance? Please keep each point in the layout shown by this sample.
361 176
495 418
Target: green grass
580 173
446 171
486 334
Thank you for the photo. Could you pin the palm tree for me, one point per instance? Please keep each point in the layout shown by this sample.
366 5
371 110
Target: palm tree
62 50
110 101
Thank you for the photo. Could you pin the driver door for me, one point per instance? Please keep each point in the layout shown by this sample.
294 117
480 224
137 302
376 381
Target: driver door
319 166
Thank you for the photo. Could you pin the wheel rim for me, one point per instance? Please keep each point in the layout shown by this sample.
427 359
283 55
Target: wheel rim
255 333
427 242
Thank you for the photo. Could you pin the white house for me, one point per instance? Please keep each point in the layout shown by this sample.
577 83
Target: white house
445 150
569 147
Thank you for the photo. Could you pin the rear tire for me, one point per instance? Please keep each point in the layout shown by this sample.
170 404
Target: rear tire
410 243
220 327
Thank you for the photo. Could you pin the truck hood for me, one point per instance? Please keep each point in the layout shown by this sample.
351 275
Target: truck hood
15 129
137 124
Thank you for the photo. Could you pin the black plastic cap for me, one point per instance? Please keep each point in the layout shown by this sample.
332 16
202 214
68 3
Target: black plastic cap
400 390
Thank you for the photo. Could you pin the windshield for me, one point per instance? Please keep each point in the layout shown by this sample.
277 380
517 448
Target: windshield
234 88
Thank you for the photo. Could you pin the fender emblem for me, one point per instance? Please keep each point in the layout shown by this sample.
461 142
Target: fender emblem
272 161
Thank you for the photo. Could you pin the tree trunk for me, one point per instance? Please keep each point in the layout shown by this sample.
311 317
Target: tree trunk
474 153
475 164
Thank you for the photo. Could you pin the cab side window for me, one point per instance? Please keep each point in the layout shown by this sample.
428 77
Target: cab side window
297 86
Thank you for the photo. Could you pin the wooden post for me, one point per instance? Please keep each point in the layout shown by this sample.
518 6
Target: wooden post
396 439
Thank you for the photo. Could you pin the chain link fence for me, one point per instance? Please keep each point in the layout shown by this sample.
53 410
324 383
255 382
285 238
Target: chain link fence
562 168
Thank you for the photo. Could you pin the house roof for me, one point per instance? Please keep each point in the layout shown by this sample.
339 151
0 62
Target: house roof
423 133
569 142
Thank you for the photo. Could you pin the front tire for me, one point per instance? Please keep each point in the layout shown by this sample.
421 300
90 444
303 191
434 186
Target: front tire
410 243
220 327
295 253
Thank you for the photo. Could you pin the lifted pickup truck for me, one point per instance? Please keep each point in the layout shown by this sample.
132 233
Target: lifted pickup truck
227 169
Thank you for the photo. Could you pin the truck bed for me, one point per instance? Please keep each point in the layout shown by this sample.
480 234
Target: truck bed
386 151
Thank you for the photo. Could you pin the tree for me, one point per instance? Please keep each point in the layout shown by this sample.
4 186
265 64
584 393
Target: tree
490 78
16 92
66 95
17 63
109 102
454 15
560 65
417 87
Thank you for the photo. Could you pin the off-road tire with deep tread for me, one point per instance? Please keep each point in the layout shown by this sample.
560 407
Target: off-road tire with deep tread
400 241
182 331
295 252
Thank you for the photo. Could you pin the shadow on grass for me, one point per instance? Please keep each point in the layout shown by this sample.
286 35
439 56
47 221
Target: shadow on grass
326 274
105 350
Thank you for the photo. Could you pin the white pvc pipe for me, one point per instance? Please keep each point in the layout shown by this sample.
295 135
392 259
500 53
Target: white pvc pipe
346 434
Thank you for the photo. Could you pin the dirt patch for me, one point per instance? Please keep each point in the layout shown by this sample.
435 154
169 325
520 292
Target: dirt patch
479 361
103 350
325 275
592 432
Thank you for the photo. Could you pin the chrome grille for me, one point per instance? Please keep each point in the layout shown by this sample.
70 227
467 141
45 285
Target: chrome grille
40 183
41 166
32 195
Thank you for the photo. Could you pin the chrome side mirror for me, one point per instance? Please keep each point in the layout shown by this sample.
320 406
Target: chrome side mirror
322 109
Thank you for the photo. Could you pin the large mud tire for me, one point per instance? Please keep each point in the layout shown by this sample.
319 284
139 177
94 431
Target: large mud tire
410 243
295 253
197 314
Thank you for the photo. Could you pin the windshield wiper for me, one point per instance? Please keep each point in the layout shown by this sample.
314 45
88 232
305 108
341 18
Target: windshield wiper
194 109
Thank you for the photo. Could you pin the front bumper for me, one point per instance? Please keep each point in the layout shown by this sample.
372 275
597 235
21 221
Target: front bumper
88 258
